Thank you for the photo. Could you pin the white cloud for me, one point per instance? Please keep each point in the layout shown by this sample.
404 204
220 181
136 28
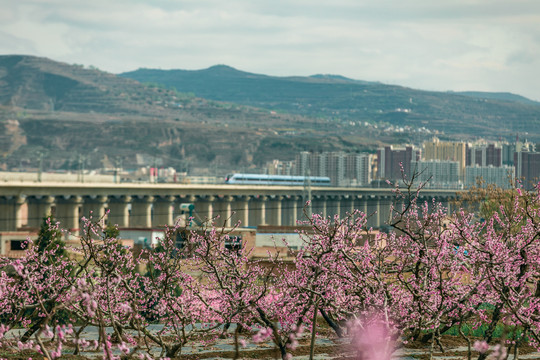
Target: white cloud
489 45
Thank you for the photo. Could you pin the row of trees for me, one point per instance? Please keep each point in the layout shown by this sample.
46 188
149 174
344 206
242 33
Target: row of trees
435 273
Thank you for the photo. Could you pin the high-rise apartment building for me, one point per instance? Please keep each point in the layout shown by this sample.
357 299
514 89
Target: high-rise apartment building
446 150
390 161
508 151
502 176
335 167
278 167
438 173
312 161
524 146
358 169
527 164
484 155
343 169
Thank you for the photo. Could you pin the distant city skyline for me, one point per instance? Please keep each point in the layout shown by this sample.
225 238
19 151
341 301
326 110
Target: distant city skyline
458 45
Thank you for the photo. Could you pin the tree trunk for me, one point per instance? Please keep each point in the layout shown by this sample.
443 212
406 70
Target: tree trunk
337 329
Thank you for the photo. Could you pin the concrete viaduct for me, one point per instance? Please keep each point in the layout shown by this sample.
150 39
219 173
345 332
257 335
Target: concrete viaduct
23 205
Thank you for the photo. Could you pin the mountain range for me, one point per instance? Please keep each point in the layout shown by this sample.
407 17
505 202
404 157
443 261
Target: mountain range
221 119
467 114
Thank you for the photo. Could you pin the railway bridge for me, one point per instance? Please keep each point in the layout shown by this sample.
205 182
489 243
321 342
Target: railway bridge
23 205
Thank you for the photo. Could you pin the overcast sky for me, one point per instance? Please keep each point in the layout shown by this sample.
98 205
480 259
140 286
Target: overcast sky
486 45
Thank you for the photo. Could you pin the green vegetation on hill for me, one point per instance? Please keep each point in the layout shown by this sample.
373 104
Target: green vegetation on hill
72 114
221 119
333 96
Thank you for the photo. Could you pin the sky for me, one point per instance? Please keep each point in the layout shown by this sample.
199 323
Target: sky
442 45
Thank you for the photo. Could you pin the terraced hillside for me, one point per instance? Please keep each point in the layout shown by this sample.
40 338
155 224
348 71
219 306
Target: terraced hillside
76 116
34 83
67 112
467 114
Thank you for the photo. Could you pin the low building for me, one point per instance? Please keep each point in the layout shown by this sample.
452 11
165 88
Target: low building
144 238
13 244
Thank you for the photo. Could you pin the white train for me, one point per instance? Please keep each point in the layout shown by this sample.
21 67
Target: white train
256 179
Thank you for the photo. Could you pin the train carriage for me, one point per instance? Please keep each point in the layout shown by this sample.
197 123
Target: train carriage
286 180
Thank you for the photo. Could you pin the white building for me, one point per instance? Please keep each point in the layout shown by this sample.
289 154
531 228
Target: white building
439 173
343 169
503 176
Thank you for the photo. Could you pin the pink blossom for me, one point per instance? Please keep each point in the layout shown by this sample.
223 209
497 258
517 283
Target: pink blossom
3 330
499 353
18 266
373 341
481 346
262 335
123 348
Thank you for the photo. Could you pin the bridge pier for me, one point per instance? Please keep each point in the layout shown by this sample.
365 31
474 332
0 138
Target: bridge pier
385 203
349 204
11 212
295 209
94 206
373 211
141 212
274 210
258 211
119 211
289 214
324 206
362 204
204 208
223 208
67 212
227 208
319 205
39 207
163 211
334 206
241 207
152 205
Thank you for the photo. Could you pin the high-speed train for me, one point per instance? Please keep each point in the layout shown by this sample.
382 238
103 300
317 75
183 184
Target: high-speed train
256 179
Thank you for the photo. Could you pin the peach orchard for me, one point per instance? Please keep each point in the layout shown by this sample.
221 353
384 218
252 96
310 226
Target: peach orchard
434 273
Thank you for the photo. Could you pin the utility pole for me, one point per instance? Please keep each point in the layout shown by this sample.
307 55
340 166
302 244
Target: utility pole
83 163
78 167
117 171
81 159
115 177
40 169
154 178
307 190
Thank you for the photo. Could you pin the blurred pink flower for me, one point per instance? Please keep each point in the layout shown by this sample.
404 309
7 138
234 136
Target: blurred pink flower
372 340
481 346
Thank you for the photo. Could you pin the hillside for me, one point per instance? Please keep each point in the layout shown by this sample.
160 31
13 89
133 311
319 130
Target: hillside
35 83
331 96
72 114
222 119
504 96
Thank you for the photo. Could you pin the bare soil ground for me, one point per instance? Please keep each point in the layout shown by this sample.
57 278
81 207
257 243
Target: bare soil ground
333 348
